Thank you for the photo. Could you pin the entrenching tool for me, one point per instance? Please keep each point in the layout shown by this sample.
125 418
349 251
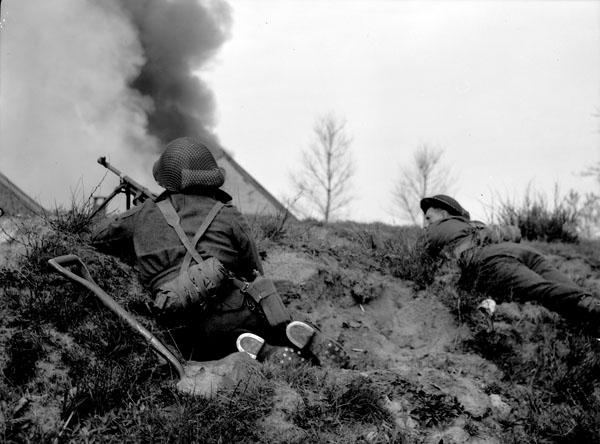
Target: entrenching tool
192 375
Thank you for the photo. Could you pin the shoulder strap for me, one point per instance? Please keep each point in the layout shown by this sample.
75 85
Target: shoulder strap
168 211
207 221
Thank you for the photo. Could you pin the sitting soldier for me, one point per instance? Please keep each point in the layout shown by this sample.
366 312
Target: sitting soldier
194 251
492 262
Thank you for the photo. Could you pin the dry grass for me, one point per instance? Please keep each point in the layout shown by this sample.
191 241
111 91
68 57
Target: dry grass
112 389
540 220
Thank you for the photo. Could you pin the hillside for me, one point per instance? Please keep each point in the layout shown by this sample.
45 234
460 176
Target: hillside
427 366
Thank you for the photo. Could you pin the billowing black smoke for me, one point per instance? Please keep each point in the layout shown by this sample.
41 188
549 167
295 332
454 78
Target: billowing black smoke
89 78
178 37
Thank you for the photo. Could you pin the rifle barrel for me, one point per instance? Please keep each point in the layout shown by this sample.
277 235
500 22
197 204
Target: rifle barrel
125 179
102 161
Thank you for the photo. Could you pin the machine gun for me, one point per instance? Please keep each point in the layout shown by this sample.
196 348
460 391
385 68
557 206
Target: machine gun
134 192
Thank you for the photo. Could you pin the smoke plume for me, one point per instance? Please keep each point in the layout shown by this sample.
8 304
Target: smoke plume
178 37
85 78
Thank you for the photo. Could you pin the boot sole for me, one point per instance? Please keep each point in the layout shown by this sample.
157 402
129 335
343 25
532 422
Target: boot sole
326 351
299 333
250 343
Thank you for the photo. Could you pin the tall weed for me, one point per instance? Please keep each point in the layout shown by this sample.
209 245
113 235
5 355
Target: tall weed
539 220
406 257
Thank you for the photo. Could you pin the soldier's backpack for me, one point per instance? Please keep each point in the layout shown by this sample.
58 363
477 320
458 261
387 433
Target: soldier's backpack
201 282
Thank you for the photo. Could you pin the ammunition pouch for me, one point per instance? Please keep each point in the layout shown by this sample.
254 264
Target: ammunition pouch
196 286
203 281
494 234
263 292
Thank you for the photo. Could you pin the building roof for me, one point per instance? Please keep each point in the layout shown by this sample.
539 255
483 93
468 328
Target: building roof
14 201
274 201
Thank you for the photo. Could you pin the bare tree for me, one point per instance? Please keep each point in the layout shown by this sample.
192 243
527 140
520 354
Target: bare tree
426 176
327 168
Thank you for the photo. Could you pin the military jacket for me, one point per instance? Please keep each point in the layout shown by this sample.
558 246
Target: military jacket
143 232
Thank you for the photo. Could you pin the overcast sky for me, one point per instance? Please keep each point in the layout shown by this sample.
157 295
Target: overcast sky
508 89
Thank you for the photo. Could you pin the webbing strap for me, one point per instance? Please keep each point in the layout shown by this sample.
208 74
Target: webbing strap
207 221
239 284
168 211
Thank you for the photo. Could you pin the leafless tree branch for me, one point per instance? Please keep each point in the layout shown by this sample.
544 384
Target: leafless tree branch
425 177
326 170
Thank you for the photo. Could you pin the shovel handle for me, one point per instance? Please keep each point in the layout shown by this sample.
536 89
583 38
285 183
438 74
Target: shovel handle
63 263
83 277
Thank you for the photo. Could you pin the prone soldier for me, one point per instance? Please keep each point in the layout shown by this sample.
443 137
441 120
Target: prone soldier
493 262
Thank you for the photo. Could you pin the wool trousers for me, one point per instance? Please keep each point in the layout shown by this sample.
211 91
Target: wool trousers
509 271
212 334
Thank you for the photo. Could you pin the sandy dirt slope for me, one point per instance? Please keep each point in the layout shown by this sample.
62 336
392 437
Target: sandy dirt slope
444 380
397 332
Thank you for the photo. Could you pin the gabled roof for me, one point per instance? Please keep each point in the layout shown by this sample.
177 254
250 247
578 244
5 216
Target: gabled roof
14 201
280 207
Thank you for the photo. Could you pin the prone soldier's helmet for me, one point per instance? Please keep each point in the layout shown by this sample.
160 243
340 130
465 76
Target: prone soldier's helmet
445 203
187 163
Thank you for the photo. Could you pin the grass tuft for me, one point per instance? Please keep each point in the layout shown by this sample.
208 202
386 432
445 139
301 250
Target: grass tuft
24 349
538 220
